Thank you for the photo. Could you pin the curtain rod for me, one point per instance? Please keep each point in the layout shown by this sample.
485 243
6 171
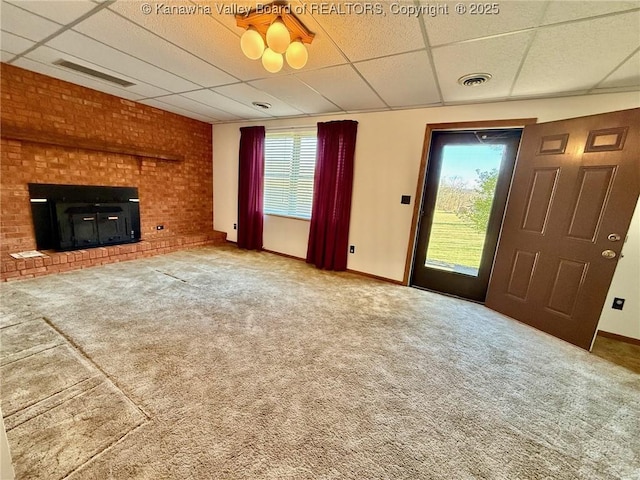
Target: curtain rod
305 127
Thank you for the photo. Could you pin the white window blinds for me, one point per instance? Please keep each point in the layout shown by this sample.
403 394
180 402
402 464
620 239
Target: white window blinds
290 160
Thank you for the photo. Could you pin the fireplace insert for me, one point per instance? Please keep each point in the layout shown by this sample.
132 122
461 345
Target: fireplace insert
70 217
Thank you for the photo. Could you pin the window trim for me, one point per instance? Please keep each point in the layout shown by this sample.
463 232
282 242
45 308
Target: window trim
291 217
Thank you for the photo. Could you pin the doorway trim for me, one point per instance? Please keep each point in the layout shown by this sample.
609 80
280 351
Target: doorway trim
426 150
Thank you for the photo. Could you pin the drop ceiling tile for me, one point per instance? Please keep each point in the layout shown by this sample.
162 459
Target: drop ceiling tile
60 11
344 87
76 78
562 11
20 22
323 52
153 102
294 92
197 107
216 100
225 13
246 94
14 44
511 16
121 34
49 55
628 75
498 56
577 56
6 56
202 35
80 46
366 36
402 80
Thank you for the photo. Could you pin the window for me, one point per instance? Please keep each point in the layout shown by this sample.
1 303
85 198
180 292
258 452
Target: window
289 166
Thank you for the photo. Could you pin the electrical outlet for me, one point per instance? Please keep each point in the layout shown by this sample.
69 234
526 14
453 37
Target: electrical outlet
235 226
618 303
352 249
159 227
405 199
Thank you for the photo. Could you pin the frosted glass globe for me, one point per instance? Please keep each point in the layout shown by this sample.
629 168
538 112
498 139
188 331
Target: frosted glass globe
297 55
278 37
252 44
272 61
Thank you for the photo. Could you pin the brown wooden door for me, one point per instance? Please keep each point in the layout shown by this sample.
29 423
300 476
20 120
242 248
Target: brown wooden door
576 183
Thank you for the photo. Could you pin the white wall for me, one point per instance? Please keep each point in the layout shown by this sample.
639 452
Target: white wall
286 235
625 284
387 161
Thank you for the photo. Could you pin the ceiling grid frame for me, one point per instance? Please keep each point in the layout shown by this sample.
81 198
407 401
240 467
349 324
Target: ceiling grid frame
99 7
427 44
526 52
615 69
349 62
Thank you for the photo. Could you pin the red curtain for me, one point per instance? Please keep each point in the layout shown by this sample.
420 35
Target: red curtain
333 184
250 188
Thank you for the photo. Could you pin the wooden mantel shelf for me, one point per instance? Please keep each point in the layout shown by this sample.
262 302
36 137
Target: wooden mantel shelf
61 140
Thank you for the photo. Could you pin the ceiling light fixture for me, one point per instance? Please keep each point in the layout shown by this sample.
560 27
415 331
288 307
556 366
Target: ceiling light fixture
271 32
252 44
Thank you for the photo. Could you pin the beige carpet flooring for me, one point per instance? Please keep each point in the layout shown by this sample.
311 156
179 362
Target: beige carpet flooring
213 363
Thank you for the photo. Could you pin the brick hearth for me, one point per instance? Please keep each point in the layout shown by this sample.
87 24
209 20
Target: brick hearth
13 269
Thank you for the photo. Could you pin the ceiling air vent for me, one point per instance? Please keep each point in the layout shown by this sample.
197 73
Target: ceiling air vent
264 105
93 73
474 79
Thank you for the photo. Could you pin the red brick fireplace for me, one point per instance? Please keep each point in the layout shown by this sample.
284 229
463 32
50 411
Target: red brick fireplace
54 132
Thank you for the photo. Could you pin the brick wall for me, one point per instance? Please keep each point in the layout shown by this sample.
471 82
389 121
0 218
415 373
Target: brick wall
178 195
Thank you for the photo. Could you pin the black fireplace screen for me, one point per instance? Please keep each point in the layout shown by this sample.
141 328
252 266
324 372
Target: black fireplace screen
86 225
69 217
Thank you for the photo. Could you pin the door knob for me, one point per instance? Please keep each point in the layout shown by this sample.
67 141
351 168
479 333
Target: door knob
609 254
613 237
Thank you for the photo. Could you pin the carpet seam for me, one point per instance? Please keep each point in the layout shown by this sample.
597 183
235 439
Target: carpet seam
36 319
21 323
108 447
46 398
82 392
30 355
95 365
172 276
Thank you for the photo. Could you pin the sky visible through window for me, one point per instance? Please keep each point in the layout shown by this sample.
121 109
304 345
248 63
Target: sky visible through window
463 160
